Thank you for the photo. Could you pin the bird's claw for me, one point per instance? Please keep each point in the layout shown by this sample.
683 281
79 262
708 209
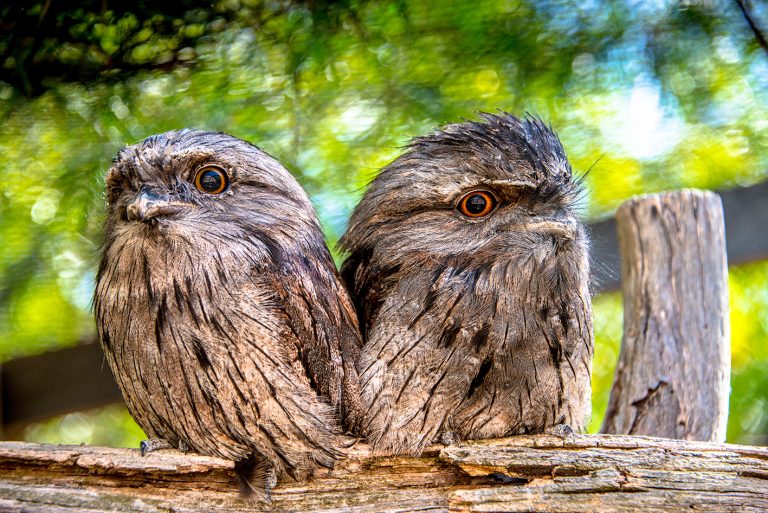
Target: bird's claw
448 438
563 431
153 444
353 441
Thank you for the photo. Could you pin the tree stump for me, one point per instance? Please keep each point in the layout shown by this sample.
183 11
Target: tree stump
673 375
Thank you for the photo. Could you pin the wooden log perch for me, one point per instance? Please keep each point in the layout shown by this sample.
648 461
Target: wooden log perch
673 375
583 473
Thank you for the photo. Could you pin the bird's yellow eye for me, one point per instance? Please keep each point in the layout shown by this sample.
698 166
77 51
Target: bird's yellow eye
211 180
477 204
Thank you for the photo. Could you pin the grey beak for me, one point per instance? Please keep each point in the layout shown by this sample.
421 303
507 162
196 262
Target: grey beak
561 228
565 229
148 204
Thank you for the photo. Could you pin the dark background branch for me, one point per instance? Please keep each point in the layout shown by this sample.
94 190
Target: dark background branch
746 10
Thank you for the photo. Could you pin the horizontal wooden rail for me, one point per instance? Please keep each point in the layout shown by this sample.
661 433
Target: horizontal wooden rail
39 387
74 379
596 473
746 219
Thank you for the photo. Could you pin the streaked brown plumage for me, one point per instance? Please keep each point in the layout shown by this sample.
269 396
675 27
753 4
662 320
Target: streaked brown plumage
221 314
475 326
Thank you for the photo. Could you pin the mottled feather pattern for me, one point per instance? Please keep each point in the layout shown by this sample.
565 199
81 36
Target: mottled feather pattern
474 328
225 322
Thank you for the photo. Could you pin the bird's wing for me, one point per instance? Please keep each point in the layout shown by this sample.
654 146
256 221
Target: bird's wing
324 322
445 353
418 361
367 285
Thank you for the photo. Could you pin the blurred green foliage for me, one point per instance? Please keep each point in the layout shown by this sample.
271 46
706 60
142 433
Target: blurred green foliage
650 95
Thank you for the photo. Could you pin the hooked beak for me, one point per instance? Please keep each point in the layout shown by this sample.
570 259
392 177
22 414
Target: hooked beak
564 229
148 205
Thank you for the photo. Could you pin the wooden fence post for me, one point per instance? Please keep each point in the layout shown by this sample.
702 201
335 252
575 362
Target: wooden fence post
673 375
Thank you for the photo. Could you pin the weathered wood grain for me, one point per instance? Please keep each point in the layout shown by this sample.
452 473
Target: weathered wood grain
582 473
673 375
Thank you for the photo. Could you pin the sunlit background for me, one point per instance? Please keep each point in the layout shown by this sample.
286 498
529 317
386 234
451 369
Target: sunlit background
657 94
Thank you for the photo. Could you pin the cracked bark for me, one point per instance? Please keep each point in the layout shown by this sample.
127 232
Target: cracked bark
673 375
583 473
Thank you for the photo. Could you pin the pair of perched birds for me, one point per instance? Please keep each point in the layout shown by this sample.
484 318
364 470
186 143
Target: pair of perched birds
463 311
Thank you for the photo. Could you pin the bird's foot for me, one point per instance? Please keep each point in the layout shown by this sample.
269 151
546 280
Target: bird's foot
448 438
350 442
184 446
563 431
271 481
153 444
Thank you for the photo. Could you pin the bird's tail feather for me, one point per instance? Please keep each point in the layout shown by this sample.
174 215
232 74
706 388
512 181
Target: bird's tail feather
256 478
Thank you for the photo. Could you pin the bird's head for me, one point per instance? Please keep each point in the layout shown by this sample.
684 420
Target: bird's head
206 189
501 186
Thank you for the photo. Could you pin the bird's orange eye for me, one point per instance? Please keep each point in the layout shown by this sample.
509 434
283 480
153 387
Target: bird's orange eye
477 204
211 180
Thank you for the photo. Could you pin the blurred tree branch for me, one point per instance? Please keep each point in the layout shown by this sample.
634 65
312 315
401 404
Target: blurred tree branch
746 10
44 42
47 40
